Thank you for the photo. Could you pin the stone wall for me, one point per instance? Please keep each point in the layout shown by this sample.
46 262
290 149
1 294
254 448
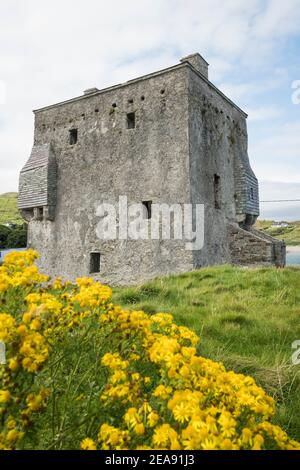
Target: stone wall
148 163
218 146
279 247
251 247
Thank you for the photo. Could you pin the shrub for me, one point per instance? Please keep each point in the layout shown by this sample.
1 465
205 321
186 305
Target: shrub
17 238
13 237
4 233
82 372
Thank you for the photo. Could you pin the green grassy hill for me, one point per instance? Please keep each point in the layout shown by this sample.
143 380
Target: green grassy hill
246 318
290 234
8 209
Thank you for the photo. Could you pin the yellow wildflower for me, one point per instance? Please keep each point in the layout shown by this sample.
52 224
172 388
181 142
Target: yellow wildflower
88 444
4 396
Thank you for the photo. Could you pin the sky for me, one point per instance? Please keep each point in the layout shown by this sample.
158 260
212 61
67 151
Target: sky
52 51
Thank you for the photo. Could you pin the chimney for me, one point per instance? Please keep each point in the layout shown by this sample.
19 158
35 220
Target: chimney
89 91
197 61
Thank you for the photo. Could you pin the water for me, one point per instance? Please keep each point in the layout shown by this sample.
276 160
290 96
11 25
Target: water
293 258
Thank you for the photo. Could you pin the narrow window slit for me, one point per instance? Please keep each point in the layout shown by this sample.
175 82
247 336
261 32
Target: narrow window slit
130 120
217 191
147 209
95 263
73 136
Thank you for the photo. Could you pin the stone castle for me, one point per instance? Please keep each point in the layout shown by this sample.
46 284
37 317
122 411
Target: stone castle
171 137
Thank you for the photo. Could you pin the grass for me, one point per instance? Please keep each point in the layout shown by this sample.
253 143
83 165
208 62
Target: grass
8 209
290 234
246 318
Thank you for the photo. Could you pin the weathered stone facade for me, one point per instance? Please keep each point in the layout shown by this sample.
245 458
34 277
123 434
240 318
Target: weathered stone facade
186 142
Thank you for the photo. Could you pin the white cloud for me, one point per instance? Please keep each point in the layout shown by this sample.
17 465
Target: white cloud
2 92
248 90
280 16
238 91
278 191
263 113
219 67
278 155
52 51
284 143
280 211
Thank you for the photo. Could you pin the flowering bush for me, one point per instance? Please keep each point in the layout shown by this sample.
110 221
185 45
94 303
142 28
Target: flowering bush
89 374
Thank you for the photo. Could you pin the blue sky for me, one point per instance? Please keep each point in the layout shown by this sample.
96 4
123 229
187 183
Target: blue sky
54 50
